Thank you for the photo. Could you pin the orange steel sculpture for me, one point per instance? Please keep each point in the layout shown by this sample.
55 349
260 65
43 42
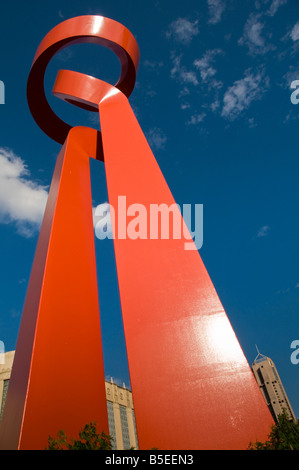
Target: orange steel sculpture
192 386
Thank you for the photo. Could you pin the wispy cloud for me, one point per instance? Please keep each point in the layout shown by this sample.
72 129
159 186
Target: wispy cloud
288 289
263 231
240 95
22 201
181 73
295 32
204 64
207 69
182 30
253 36
275 5
283 291
156 138
154 65
216 9
196 119
291 75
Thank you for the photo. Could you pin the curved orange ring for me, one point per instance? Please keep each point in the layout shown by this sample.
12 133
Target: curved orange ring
81 90
88 28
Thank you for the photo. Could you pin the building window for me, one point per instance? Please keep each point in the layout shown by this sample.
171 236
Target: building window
124 427
5 387
111 424
135 430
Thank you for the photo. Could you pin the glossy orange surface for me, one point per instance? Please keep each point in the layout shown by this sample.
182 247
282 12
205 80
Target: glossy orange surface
187 369
192 386
87 28
57 379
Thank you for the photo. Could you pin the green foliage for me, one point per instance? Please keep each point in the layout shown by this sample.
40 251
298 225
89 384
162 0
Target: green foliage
284 435
89 439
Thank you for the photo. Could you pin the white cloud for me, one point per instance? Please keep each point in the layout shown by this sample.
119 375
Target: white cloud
253 37
153 64
215 105
204 64
180 72
295 32
183 30
239 96
188 76
263 231
156 138
206 67
283 291
196 119
184 92
216 9
251 122
22 201
288 289
275 5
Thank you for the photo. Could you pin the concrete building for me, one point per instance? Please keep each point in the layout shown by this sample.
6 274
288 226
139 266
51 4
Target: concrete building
271 386
5 371
121 418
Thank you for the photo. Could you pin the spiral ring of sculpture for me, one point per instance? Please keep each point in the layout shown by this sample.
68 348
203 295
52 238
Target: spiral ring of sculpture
82 29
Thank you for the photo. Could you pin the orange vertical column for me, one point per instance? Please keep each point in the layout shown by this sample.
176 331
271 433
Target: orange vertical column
57 379
192 386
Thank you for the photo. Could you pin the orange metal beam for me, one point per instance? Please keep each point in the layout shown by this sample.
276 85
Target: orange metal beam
192 386
57 379
187 369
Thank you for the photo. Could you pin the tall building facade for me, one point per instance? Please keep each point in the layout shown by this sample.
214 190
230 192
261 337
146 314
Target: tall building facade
271 386
5 371
121 417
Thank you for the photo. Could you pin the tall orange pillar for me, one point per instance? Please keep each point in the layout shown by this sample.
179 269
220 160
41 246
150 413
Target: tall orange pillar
192 386
57 379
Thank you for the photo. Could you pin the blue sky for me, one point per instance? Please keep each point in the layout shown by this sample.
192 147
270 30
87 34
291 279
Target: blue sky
213 98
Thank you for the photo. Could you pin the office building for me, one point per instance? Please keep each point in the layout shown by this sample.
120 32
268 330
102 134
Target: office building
121 418
271 386
5 371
